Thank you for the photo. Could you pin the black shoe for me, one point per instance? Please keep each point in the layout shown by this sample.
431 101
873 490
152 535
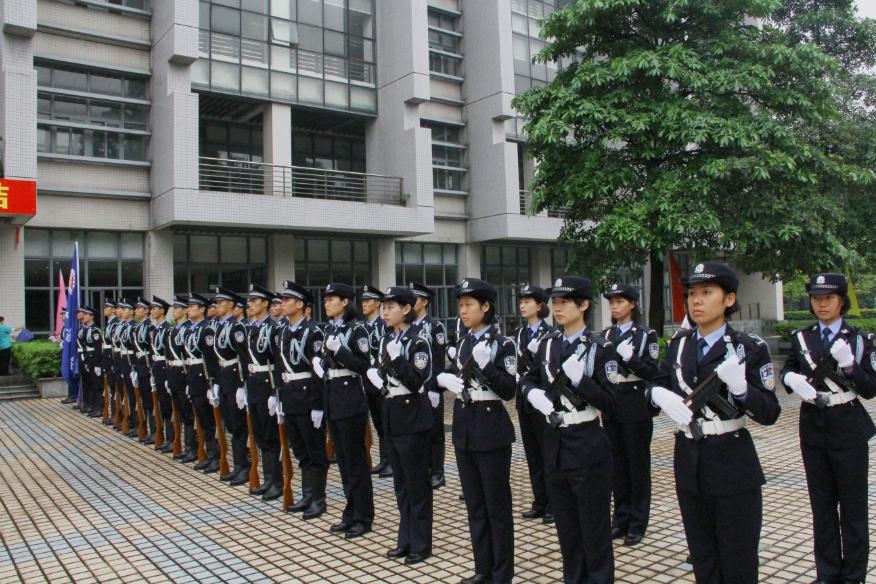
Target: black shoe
202 465
386 473
634 539
341 527
416 559
241 478
228 476
107 422
461 497
133 435
397 553
180 455
149 440
95 414
379 468
533 513
264 488
548 519
212 467
357 530
437 481
688 560
618 533
69 400
476 579
167 448
274 492
189 457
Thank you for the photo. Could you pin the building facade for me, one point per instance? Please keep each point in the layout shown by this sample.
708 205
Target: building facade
191 143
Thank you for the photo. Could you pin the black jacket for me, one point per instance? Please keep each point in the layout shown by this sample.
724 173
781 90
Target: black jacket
632 404
525 360
294 354
412 369
344 397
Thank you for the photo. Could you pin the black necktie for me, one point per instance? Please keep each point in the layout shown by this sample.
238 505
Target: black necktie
825 337
527 336
701 349
566 344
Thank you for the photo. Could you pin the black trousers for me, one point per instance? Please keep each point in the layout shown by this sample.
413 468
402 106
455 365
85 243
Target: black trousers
233 417
5 357
159 371
204 411
723 534
532 426
376 417
486 487
408 455
631 484
349 437
264 425
581 500
437 438
145 381
176 379
838 495
307 442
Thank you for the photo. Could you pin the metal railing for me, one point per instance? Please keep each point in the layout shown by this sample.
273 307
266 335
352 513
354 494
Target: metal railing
526 208
260 178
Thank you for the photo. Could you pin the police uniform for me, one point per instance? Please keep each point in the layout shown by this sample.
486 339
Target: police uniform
631 426
107 363
142 334
482 435
300 393
119 384
347 411
376 329
200 360
125 341
158 358
91 341
718 477
259 389
436 333
577 452
407 420
834 431
532 422
232 359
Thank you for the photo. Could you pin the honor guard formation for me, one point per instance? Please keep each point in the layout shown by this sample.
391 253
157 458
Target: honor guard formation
258 374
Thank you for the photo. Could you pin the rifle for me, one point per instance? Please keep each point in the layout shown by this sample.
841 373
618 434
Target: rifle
284 454
104 416
560 389
706 394
470 372
825 371
177 429
202 451
138 402
126 403
159 421
223 444
117 415
253 455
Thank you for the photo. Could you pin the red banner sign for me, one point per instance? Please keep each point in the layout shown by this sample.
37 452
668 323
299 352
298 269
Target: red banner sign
17 197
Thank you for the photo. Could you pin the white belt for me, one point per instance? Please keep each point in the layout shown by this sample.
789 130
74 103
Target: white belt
89 349
259 368
588 414
176 362
229 362
106 347
141 354
628 378
191 362
116 350
716 427
126 352
158 358
335 373
835 399
482 395
287 377
397 390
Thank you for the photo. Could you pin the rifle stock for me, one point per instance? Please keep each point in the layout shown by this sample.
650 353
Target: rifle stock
253 456
706 394
104 415
177 430
223 444
329 445
142 432
159 421
824 371
126 415
369 440
202 451
287 462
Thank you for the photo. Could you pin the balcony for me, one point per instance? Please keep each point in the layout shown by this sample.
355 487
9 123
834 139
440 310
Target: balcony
526 208
259 178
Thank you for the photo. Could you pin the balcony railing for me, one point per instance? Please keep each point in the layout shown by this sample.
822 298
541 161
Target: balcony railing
259 178
526 208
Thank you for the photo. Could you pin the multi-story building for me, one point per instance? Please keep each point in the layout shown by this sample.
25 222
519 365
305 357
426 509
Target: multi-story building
186 144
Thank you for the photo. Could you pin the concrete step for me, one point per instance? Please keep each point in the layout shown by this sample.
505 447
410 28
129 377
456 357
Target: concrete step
13 380
23 391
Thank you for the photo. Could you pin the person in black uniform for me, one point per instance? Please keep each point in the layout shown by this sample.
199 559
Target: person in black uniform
402 368
142 365
117 358
344 359
301 399
572 381
199 375
127 374
718 477
533 310
91 344
481 376
834 428
108 362
436 333
259 391
158 358
176 378
630 427
231 357
373 323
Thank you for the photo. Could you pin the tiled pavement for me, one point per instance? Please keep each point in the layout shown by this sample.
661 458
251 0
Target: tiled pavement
81 503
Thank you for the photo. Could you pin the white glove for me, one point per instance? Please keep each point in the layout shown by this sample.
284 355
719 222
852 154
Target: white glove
215 400
532 347
732 372
333 343
216 389
539 400
450 382
210 395
98 371
167 388
481 354
801 386
842 352
317 367
672 404
240 396
134 378
434 398
374 377
625 350
451 352
316 418
574 369
393 349
272 406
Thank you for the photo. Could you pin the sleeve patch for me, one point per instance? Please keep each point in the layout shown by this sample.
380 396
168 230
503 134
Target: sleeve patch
363 344
421 360
440 339
209 339
654 350
317 346
611 371
768 377
239 336
873 360
510 363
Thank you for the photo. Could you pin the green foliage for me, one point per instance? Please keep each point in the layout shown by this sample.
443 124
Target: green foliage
683 125
784 328
38 359
866 313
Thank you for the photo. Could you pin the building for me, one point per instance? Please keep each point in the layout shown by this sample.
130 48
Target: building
186 144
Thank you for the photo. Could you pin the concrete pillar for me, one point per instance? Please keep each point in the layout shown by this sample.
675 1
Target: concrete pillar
383 264
541 266
281 260
469 261
159 264
12 275
277 145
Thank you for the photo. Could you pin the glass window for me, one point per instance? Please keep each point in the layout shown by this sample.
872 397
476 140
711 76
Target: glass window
234 249
508 268
335 15
198 265
101 244
66 79
36 273
106 84
36 242
310 12
103 274
225 20
132 273
425 262
132 245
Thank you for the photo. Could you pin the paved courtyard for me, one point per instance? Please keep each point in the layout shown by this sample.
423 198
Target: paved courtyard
81 503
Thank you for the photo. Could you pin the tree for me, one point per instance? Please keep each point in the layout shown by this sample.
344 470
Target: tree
678 126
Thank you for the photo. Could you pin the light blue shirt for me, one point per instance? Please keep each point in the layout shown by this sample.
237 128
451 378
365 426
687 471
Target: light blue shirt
623 328
833 327
534 328
713 337
480 333
574 337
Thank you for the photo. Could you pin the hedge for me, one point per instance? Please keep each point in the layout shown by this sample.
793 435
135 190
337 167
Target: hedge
867 313
38 359
786 327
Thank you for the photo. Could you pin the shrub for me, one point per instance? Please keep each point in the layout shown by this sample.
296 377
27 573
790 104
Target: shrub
786 327
806 315
38 359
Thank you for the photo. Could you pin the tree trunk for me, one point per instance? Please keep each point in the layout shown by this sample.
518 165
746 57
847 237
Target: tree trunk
655 306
